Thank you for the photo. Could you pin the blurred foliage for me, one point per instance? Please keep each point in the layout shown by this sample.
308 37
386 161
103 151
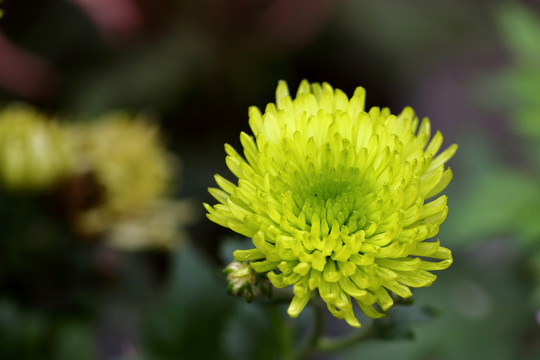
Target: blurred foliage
520 29
207 324
504 197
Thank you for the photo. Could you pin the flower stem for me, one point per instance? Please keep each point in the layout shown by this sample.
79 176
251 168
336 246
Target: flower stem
311 343
282 332
330 345
315 341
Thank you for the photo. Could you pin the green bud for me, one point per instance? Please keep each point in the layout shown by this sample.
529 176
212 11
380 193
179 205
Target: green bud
244 281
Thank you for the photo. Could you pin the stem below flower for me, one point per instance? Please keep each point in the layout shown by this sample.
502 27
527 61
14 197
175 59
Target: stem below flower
315 341
328 345
282 332
312 341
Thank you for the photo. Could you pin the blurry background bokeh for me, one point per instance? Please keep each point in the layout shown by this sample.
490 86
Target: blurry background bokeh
123 107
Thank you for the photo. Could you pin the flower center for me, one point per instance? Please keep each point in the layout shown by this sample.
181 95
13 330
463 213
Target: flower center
332 200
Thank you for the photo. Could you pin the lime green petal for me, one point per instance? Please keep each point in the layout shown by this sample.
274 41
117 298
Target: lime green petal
435 265
433 208
370 311
435 144
264 266
350 288
351 319
398 289
416 278
281 92
247 255
331 273
225 184
303 88
383 299
425 248
219 195
404 264
298 303
442 184
444 156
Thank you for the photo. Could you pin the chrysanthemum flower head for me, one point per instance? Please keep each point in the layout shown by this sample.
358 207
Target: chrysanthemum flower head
337 199
34 152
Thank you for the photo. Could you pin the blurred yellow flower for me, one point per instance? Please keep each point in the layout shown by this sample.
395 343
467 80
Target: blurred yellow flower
34 152
161 225
132 166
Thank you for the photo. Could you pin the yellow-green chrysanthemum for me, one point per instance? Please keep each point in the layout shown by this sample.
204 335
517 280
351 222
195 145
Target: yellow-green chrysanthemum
337 199
34 152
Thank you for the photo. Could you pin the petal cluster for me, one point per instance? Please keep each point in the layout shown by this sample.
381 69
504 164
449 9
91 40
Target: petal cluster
128 158
337 199
134 171
34 152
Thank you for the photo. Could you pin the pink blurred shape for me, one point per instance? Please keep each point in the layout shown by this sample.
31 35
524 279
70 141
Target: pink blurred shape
24 73
297 22
113 17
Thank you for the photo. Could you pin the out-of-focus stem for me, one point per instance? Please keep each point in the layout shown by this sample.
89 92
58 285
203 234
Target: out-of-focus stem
314 337
330 345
